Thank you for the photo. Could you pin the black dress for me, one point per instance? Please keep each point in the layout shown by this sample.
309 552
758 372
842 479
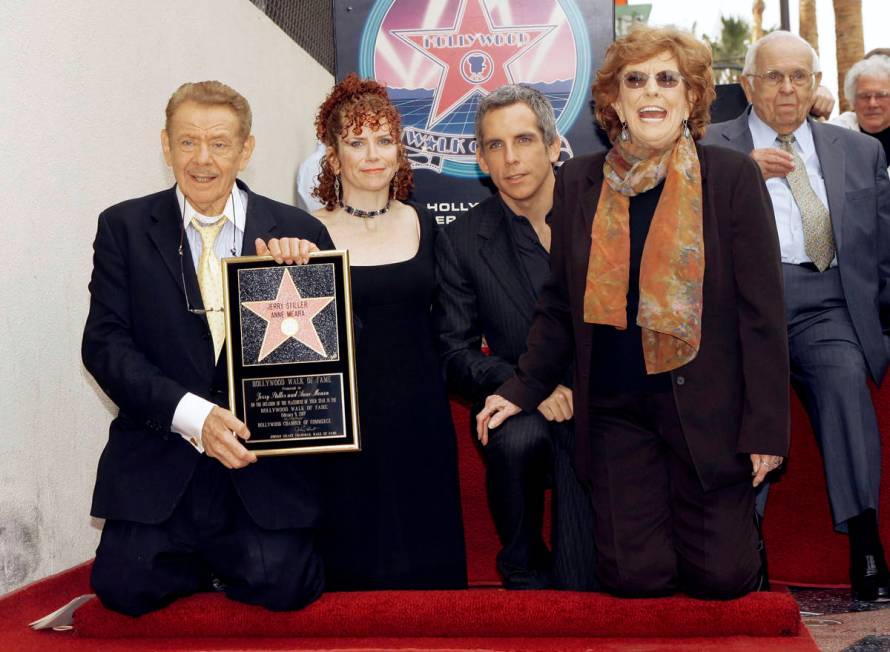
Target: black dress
392 516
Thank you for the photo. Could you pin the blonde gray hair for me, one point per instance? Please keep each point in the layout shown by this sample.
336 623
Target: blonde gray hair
212 93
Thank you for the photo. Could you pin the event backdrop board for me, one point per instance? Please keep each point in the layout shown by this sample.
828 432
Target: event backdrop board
439 58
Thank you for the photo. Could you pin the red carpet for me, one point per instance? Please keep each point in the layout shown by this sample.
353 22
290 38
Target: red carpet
465 614
359 621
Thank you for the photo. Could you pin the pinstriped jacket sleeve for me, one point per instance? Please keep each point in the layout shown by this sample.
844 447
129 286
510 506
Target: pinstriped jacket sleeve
456 316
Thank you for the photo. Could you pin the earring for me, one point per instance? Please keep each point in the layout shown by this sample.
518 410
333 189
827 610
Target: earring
337 187
624 136
686 133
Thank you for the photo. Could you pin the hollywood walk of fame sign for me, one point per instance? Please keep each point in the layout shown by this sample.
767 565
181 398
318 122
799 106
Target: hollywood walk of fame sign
473 55
290 353
440 58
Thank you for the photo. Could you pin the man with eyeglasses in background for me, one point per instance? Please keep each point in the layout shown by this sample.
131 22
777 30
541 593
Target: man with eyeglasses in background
831 198
187 508
867 86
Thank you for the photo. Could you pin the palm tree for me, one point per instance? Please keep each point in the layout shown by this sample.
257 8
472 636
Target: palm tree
757 28
729 50
808 28
848 41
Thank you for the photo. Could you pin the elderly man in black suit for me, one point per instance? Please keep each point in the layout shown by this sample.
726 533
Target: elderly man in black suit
186 506
491 265
831 199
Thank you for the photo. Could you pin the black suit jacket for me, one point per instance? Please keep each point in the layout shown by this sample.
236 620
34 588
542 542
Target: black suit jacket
858 190
145 350
733 398
482 292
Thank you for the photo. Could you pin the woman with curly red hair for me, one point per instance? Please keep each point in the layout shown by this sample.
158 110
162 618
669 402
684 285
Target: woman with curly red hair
391 516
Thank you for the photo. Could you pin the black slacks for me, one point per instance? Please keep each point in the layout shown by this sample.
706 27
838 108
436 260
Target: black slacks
656 530
523 457
518 460
210 536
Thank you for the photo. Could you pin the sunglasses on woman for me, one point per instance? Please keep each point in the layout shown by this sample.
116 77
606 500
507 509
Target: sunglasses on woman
664 78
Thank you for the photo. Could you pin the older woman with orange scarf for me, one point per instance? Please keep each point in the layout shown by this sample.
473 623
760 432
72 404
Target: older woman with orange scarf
666 294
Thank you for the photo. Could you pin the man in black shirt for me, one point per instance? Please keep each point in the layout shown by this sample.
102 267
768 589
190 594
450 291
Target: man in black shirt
491 266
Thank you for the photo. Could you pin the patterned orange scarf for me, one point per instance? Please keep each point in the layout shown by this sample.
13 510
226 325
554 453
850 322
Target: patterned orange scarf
673 263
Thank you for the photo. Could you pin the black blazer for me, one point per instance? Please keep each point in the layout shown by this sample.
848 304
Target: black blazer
145 350
733 398
482 292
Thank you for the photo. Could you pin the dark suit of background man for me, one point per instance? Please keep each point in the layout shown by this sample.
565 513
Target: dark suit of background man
187 506
836 264
491 265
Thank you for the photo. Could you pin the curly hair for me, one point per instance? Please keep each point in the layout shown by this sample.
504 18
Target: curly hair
353 104
643 43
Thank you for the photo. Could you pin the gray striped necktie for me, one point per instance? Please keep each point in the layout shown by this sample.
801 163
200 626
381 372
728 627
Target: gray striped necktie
818 240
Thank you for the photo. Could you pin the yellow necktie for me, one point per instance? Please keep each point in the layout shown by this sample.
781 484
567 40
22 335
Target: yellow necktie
210 281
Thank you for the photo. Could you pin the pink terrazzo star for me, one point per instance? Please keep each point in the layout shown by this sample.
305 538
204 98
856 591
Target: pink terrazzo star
474 55
289 315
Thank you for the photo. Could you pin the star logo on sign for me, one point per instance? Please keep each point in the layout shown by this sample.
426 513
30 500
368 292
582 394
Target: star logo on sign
287 316
474 55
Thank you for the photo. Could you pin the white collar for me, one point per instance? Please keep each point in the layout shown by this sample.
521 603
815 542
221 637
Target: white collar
765 136
234 209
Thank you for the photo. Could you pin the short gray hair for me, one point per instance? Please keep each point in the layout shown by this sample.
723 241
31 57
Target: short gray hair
751 55
875 66
510 94
212 93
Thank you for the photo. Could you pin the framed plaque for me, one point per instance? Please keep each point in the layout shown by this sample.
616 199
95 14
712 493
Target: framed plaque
290 353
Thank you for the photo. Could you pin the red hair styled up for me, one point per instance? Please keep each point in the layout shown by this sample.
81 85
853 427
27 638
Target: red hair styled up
353 104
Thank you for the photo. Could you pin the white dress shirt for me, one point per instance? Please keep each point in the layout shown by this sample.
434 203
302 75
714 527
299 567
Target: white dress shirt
788 221
192 410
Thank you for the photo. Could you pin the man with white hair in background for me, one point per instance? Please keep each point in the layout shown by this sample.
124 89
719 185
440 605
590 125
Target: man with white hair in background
831 198
867 86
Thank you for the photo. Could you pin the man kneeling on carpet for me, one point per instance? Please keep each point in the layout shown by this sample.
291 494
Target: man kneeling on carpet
188 508
490 267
